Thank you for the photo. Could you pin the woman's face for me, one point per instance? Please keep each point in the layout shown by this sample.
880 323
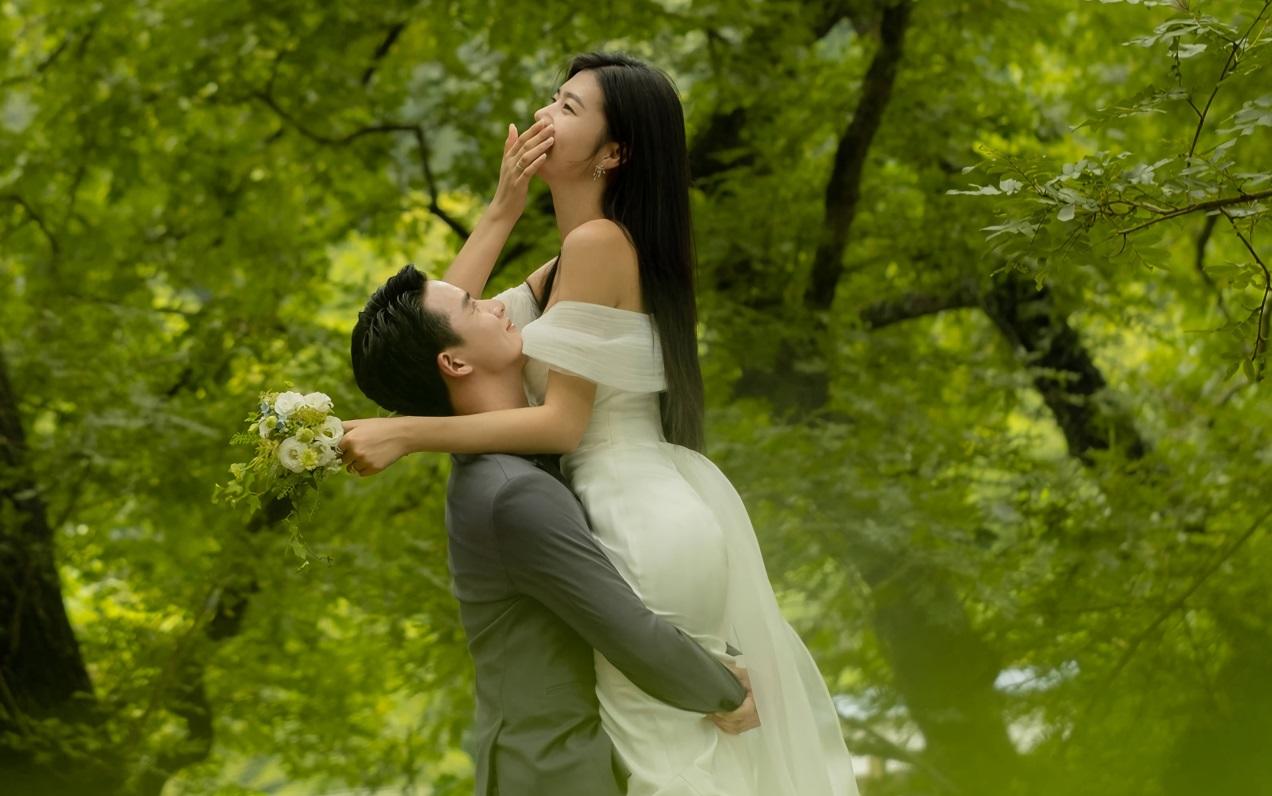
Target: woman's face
577 114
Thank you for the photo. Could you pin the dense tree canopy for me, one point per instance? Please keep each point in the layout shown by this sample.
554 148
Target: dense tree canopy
985 304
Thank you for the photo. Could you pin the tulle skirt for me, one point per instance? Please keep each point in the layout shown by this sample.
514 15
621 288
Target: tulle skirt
677 531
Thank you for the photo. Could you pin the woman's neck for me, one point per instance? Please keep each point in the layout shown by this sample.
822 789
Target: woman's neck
576 203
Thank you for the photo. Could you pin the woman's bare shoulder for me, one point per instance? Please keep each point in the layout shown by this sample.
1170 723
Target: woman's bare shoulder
599 264
599 231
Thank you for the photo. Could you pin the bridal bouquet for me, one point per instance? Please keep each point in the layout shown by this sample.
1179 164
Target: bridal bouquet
295 439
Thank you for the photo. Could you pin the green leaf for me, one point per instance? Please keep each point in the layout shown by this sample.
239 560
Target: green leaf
1247 367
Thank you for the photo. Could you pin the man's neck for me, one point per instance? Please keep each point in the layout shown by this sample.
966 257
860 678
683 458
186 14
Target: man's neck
488 393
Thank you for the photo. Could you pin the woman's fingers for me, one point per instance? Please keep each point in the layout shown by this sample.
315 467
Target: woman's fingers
524 154
534 156
529 171
531 138
519 142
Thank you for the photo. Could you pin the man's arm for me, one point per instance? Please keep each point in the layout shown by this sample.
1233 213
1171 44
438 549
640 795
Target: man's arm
551 556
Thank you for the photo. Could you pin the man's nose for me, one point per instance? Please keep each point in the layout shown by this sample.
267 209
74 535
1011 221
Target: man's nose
496 308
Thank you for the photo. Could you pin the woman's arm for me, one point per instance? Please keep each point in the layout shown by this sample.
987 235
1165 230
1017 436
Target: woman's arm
555 427
472 266
372 444
599 267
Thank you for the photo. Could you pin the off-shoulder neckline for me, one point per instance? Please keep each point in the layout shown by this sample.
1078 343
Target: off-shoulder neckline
590 305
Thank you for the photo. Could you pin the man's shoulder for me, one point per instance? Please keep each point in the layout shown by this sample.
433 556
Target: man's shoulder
492 474
515 495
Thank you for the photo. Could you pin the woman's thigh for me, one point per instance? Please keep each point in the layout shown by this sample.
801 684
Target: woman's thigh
660 534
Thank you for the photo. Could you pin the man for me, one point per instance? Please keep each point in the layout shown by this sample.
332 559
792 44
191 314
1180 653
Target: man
536 592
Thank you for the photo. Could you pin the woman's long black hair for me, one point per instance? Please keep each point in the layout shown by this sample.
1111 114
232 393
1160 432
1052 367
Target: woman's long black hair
648 195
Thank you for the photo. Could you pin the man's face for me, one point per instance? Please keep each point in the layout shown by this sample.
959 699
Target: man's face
491 341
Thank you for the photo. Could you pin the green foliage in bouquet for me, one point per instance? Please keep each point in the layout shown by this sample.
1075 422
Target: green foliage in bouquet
295 438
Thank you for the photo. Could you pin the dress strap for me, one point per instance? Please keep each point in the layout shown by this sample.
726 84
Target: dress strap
548 282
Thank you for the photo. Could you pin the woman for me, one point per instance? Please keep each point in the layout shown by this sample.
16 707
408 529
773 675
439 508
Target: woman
613 366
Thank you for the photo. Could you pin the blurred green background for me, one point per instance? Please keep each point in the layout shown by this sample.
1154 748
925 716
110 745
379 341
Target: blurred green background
1007 450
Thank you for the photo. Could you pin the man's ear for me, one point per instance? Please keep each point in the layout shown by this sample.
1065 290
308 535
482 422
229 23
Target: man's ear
452 366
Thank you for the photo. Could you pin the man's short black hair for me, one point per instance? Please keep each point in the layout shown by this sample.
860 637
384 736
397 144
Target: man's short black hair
394 348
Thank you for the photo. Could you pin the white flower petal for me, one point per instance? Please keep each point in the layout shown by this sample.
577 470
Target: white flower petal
290 452
317 400
331 431
326 455
287 402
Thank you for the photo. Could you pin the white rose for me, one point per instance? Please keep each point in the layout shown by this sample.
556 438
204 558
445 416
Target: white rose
311 458
291 452
286 403
331 431
326 455
317 400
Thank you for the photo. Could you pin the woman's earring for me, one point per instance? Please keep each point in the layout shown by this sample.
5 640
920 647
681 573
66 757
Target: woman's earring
597 173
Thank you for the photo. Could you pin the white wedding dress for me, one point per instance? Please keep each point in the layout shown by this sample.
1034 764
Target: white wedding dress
677 531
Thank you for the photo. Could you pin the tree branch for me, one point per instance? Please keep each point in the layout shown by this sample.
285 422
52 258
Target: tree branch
807 391
421 144
1261 338
389 38
416 130
871 743
723 131
313 135
916 305
1200 207
1179 601
1229 66
1064 372
1203 240
36 217
43 65
843 190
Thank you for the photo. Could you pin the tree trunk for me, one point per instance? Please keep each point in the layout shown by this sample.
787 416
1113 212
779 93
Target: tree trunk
946 674
42 674
1066 375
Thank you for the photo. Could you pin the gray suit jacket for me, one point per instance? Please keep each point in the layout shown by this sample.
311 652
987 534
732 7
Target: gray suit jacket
536 595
